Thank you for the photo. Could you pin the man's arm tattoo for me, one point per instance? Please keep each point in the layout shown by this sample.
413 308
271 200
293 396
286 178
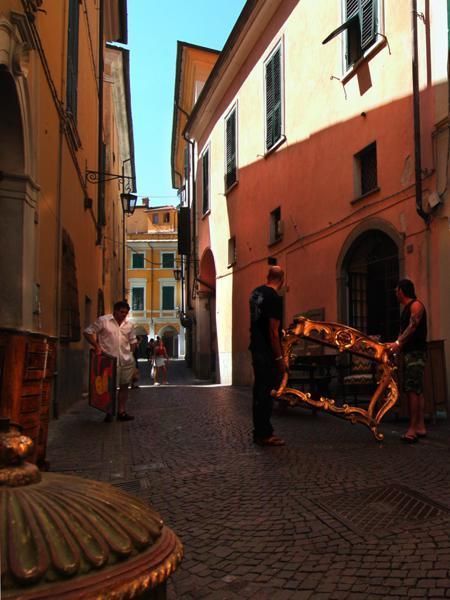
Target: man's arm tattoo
412 326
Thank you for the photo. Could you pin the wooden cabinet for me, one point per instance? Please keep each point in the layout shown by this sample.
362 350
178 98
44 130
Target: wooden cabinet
27 368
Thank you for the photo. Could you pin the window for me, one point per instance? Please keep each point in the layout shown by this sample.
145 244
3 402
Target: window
232 251
137 260
168 297
137 298
155 219
72 59
366 26
276 226
230 145
273 95
205 182
360 28
167 260
166 217
366 170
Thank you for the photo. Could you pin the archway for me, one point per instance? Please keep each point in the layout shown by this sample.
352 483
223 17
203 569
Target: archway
169 336
207 329
370 272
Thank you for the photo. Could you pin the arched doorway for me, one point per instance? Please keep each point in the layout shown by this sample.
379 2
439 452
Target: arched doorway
207 329
169 336
370 274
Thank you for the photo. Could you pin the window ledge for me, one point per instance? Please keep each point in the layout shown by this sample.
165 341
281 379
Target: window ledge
277 144
363 196
231 187
368 55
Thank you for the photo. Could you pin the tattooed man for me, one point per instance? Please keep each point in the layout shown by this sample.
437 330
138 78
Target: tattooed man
412 342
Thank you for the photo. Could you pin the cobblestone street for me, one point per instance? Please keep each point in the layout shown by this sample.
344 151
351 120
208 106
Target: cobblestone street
331 515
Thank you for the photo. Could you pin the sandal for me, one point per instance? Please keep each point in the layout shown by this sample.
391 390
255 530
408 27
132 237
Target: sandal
409 439
272 440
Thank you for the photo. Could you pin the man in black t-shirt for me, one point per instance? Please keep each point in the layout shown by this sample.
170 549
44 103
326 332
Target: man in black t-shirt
412 343
267 357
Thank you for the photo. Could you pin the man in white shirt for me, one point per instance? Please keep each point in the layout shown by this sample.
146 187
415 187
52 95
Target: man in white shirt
114 335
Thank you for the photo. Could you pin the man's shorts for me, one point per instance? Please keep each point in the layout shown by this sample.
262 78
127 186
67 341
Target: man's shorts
414 370
125 373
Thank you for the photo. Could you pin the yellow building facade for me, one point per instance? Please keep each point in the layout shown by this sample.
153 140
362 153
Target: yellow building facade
65 122
153 285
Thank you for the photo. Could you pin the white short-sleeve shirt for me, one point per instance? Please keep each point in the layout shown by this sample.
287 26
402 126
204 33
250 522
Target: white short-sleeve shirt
114 339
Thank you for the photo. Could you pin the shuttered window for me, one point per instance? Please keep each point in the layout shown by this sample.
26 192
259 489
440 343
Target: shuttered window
367 11
273 99
230 143
138 260
72 59
205 182
168 298
167 260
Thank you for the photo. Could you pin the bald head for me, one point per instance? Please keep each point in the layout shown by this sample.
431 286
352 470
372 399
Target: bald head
275 276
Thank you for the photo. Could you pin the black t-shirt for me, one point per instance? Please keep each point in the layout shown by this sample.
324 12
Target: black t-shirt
265 304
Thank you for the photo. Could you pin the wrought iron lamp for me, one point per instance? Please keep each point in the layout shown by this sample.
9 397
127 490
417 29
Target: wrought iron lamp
177 274
128 203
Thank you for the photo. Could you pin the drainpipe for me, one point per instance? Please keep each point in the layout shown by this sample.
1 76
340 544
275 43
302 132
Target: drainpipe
58 295
192 204
101 68
416 107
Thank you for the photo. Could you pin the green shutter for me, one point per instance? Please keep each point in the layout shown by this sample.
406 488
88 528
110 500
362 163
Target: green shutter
230 177
168 298
367 12
138 261
273 99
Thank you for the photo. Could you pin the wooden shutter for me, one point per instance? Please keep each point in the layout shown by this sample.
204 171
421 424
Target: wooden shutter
368 22
72 58
205 180
273 99
230 176
367 12
168 298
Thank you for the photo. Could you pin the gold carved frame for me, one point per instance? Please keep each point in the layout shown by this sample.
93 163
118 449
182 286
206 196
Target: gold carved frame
343 338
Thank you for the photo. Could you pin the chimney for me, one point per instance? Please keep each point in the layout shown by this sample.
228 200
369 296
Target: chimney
145 202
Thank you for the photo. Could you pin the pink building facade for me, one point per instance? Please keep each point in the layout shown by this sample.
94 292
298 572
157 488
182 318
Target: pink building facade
330 159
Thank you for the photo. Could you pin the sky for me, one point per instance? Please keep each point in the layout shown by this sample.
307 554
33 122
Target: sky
154 27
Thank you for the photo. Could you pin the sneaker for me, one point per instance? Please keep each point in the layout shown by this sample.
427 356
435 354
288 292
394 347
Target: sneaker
124 417
156 383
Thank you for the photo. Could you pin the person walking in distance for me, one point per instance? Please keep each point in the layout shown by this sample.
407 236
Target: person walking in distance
412 343
114 335
267 357
161 359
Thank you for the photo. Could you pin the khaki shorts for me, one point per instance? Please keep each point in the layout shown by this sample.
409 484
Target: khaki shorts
125 373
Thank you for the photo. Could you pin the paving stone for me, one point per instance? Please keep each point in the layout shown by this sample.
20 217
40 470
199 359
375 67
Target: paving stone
255 522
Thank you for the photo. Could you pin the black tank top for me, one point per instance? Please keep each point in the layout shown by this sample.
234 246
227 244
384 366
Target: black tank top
418 340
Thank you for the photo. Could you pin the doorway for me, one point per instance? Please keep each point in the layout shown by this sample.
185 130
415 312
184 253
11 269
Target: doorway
371 269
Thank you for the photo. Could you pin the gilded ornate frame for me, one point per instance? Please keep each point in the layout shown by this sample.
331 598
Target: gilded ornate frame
351 340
